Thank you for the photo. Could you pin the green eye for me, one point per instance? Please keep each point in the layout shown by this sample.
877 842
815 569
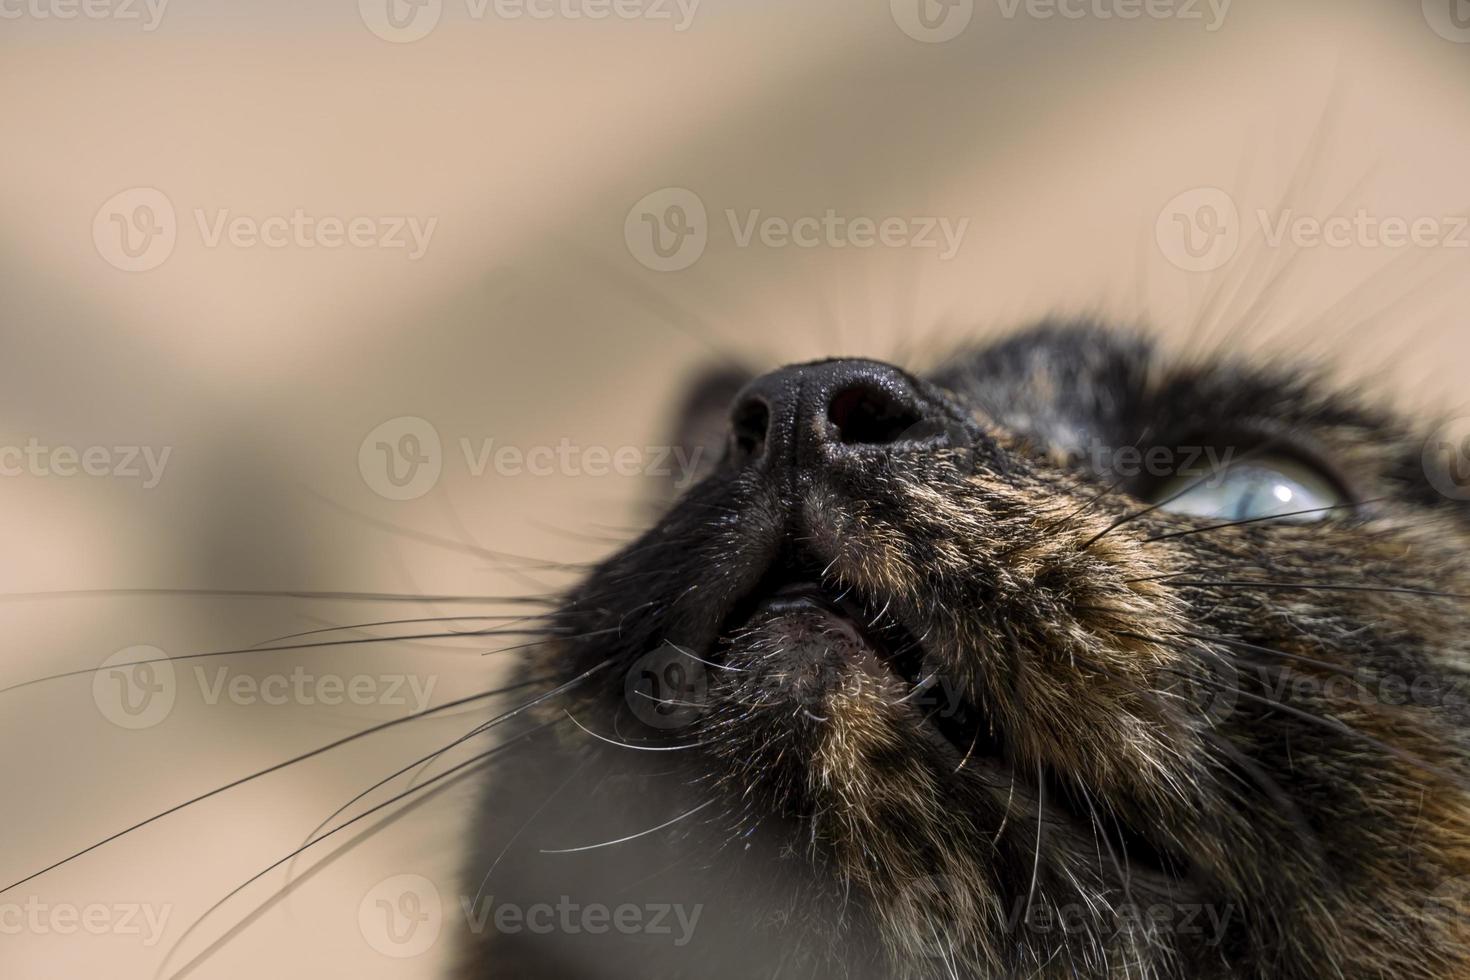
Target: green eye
1268 487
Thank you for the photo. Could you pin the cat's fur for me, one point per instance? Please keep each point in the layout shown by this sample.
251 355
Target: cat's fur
1234 753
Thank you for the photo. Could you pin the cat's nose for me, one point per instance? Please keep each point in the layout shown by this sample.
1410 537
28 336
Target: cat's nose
809 414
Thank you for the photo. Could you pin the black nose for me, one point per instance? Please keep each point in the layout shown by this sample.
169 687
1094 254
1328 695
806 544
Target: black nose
801 415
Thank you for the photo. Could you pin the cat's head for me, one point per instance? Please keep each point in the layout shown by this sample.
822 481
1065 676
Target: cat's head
1062 660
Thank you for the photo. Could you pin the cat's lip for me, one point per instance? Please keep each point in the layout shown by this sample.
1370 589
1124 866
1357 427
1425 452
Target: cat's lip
865 636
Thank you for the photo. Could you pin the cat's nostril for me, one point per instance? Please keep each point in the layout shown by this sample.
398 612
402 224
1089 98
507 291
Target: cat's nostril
865 414
749 424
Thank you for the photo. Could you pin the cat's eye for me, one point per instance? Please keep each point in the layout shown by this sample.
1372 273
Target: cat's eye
1271 486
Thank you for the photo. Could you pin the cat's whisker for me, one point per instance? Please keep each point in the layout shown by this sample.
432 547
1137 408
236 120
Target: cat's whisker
421 761
1262 520
1215 470
1335 724
535 815
444 780
277 767
520 563
506 618
549 632
1317 587
623 840
311 595
630 745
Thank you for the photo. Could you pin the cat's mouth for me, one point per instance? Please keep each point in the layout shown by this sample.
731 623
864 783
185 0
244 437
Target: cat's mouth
815 638
803 641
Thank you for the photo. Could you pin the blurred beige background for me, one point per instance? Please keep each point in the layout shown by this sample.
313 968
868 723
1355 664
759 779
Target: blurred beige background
525 151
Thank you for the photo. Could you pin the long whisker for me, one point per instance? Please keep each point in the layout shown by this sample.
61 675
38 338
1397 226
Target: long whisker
423 760
1271 652
465 768
519 561
623 840
630 745
274 594
1316 587
1260 520
1242 645
355 736
241 651
479 729
576 773
1135 515
505 617
1337 725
